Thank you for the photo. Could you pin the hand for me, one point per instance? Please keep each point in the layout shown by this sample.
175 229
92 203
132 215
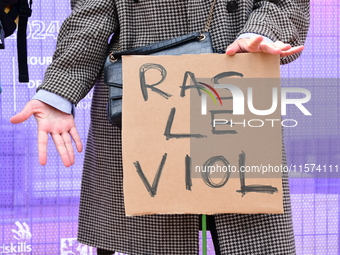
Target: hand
59 124
256 44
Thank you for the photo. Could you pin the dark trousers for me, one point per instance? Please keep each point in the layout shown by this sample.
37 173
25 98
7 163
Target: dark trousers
211 225
104 252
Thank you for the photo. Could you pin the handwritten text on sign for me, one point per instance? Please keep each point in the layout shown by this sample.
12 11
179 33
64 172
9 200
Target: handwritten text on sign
176 159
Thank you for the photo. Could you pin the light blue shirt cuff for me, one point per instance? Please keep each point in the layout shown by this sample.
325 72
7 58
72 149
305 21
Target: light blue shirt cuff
248 35
54 100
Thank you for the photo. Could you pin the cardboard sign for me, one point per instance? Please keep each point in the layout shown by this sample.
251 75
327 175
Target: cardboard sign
196 128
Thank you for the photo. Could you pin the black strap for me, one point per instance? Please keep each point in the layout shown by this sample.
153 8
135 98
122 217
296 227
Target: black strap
25 13
1 9
2 37
2 31
213 231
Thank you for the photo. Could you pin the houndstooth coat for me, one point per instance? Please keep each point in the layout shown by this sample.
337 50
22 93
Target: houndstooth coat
78 60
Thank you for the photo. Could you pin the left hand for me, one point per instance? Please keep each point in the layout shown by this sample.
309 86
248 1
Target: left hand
60 125
257 44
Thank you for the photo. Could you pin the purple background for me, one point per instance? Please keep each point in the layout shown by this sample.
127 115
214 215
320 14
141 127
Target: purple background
46 198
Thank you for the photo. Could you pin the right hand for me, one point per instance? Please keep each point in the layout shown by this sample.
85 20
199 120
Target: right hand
257 44
59 124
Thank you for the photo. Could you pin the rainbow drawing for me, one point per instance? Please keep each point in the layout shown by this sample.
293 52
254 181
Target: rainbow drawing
209 93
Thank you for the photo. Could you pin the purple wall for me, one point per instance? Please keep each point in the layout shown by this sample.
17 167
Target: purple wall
43 200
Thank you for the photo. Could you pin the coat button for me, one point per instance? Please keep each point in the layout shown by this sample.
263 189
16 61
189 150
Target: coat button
232 6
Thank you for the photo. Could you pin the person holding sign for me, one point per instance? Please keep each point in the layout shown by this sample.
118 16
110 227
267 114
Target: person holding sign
275 27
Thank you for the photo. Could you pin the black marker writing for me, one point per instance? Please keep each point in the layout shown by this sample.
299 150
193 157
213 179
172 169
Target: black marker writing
188 181
255 187
151 189
206 174
196 85
144 86
216 78
168 126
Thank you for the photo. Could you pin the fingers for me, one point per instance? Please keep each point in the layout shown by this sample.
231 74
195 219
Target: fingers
269 48
244 45
68 144
42 146
233 49
64 146
292 51
76 138
61 147
60 125
253 44
63 143
23 115
256 44
282 46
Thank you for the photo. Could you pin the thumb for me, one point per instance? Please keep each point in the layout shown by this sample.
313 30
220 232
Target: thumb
23 115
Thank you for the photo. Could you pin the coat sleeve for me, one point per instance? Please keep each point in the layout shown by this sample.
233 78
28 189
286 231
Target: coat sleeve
283 20
81 49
